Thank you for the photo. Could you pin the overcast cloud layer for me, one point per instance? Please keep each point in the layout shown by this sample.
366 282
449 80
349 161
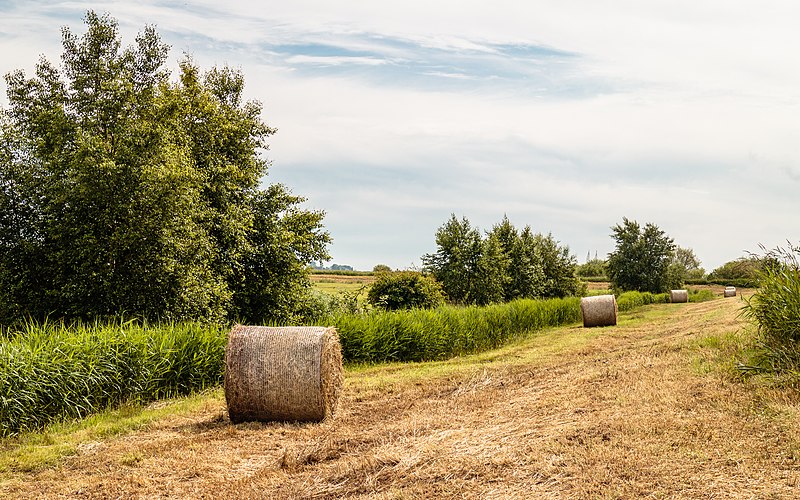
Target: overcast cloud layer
566 116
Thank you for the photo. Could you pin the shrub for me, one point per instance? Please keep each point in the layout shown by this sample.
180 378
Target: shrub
405 290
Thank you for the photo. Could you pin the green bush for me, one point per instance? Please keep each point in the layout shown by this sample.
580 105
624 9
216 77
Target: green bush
52 372
405 290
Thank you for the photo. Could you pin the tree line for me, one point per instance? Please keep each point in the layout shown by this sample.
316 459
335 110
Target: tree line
500 266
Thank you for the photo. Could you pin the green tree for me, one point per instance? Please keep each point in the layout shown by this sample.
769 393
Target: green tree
743 268
381 268
642 258
505 265
491 276
558 267
687 264
271 279
124 191
455 263
525 276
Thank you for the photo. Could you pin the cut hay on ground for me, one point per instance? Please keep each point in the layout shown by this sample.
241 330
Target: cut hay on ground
600 310
678 296
282 374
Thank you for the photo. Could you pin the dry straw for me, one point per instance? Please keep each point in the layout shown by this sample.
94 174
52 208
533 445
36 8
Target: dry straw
677 296
282 373
730 291
600 310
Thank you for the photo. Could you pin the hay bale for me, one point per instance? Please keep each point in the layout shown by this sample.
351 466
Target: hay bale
677 296
600 310
730 291
282 374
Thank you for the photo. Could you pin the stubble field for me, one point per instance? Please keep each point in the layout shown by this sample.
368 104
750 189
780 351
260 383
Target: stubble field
648 408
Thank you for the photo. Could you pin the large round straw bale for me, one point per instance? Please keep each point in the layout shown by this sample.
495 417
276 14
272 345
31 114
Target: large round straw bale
282 374
676 296
600 310
730 291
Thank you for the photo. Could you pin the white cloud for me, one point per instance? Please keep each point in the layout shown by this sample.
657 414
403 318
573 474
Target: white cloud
679 113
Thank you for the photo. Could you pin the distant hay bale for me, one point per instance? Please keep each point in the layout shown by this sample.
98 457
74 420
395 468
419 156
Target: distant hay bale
600 310
730 291
677 296
282 374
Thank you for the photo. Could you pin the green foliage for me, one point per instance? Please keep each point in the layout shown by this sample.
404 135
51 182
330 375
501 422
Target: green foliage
743 269
686 264
775 308
429 334
455 263
592 268
271 280
123 191
632 299
522 267
642 257
405 290
381 268
700 295
51 372
503 266
558 268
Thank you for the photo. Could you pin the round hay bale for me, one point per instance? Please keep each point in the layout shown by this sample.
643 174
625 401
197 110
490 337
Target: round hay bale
282 374
730 291
600 310
677 296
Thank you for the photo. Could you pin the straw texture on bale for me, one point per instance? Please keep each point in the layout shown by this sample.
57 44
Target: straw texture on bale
282 373
730 291
677 296
600 310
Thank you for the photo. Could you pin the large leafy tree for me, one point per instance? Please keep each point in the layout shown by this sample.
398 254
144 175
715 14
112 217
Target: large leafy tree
524 271
559 267
455 263
686 263
642 257
123 191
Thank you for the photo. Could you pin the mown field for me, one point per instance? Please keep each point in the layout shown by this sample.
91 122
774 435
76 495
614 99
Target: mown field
650 408
337 283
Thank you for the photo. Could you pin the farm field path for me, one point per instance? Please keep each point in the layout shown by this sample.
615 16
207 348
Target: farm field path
623 412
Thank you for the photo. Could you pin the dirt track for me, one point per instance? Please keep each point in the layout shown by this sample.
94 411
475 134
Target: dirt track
624 412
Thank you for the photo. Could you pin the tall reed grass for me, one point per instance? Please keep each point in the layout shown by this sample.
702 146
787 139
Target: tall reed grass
631 300
775 309
429 334
52 372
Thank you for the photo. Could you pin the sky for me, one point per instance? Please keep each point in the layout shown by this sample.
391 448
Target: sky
562 115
